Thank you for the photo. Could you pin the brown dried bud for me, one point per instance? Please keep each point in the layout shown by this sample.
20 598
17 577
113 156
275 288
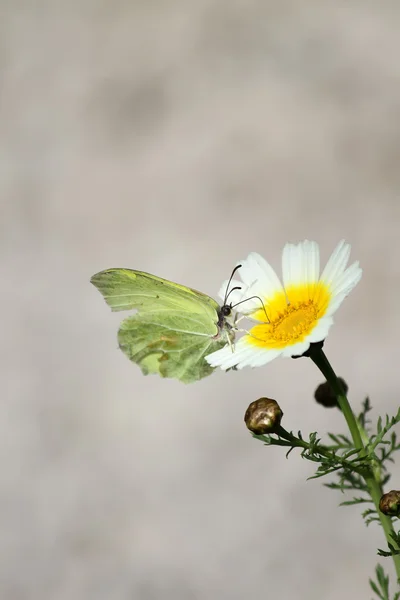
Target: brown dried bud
389 504
325 395
263 416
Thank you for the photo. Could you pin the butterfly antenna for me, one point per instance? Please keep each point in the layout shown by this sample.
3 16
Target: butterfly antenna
229 283
230 292
252 298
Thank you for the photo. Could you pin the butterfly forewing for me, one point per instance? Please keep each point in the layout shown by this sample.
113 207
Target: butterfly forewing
125 289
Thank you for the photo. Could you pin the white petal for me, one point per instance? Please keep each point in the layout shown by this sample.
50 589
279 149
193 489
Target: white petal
334 304
259 282
336 265
321 330
300 263
296 349
348 280
244 297
244 355
220 357
343 287
258 357
226 358
251 302
259 276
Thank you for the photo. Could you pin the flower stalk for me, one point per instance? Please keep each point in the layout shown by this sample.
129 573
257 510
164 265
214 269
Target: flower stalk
317 355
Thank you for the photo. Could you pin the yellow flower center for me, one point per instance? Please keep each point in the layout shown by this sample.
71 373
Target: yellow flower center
289 318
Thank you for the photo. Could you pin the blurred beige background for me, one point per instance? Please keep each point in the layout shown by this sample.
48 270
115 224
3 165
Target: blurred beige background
175 137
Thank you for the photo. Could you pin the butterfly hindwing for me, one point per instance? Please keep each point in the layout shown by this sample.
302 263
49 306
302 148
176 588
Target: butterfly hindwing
167 347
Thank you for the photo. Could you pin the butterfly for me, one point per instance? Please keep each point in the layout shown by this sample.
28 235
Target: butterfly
174 327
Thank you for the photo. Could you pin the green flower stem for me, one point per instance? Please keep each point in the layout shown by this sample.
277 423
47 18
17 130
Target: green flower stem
318 357
374 485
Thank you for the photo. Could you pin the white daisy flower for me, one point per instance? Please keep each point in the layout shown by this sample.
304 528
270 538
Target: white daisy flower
291 316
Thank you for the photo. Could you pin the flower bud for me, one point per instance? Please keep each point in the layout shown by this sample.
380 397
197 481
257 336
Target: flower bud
325 395
389 504
263 416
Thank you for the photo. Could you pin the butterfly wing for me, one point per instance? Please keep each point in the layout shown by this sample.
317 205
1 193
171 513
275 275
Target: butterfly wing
124 289
170 346
174 329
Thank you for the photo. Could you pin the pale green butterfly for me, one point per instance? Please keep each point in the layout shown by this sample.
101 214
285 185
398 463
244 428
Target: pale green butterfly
175 326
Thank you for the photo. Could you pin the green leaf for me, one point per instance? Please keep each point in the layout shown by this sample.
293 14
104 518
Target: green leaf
356 501
381 588
375 589
378 438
